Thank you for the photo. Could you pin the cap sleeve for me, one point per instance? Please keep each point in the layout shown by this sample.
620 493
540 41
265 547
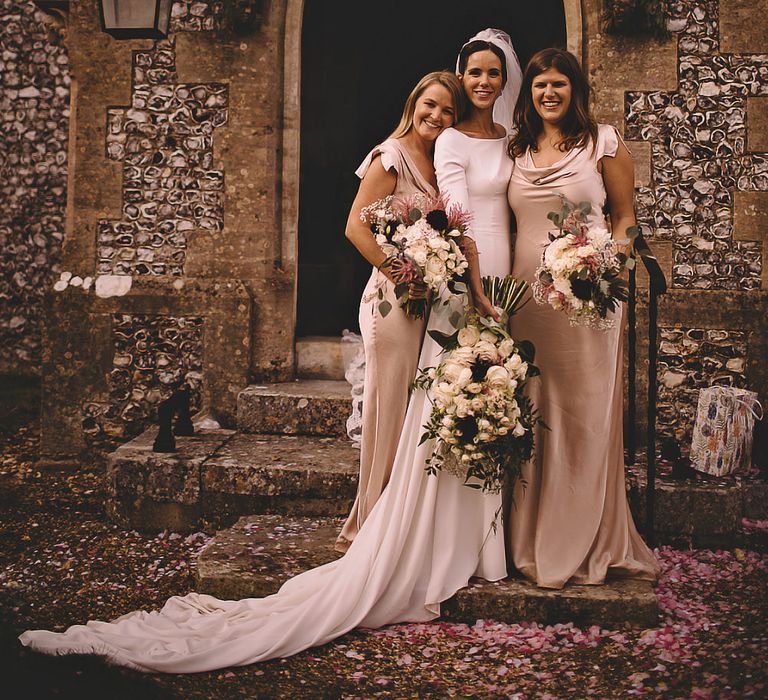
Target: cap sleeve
390 155
451 159
608 139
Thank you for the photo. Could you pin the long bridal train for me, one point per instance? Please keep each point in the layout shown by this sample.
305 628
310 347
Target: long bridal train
425 538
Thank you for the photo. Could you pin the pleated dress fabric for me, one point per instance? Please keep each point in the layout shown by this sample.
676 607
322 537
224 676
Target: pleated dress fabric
424 538
392 345
571 522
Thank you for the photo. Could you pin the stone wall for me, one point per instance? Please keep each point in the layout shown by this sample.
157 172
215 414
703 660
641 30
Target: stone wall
693 112
184 172
34 116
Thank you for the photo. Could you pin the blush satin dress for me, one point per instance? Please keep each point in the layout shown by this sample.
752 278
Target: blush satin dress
392 345
571 523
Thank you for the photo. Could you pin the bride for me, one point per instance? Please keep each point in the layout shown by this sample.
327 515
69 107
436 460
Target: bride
423 540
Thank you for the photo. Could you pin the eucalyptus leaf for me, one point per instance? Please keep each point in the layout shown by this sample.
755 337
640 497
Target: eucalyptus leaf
444 340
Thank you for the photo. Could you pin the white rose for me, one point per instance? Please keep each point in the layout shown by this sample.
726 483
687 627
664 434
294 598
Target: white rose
513 363
464 378
497 377
506 347
463 354
463 408
486 351
477 403
420 257
488 336
435 267
452 370
474 388
519 430
468 336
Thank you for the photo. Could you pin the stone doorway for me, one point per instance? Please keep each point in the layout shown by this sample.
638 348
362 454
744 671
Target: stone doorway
355 76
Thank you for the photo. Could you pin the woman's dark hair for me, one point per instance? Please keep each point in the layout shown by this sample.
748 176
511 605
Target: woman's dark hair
578 126
480 45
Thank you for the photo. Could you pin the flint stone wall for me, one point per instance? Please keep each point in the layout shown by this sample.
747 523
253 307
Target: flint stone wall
692 110
177 164
34 116
109 362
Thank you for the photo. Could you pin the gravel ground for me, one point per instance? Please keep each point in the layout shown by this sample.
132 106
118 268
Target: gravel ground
62 562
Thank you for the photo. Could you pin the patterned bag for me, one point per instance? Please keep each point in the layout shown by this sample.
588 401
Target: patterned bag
722 433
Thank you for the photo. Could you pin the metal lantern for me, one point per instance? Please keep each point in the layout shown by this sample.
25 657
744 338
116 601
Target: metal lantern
135 19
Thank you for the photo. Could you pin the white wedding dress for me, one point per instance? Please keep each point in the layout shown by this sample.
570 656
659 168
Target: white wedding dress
424 539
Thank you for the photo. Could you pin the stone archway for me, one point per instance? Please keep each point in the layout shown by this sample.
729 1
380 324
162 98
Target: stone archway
315 298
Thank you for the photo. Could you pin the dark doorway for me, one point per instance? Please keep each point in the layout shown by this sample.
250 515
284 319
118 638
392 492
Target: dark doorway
359 62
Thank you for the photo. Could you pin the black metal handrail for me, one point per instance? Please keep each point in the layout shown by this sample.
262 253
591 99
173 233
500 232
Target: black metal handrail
657 285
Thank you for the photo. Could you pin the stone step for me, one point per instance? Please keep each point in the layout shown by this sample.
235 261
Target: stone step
292 475
705 512
302 407
218 475
259 553
149 490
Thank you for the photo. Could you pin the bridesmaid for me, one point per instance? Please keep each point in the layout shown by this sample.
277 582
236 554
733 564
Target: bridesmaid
471 160
401 165
571 523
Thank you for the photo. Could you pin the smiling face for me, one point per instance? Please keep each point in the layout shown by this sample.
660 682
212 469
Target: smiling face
551 94
434 112
483 79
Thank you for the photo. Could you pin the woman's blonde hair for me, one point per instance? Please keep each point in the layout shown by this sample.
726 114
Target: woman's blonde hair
441 77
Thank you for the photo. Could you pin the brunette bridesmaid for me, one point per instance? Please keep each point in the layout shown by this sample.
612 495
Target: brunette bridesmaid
571 522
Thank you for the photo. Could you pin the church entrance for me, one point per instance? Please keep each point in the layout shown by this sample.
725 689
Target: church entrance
357 68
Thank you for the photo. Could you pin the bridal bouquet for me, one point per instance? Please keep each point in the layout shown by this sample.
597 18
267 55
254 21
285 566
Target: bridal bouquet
481 420
580 271
420 237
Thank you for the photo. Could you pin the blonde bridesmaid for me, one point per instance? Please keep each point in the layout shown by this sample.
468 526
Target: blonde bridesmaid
402 165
